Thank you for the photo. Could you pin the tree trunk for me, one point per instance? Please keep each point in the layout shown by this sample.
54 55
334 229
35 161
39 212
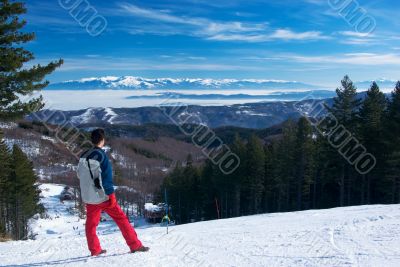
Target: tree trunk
314 200
226 205
398 188
349 181
341 183
299 193
363 190
368 189
237 200
287 197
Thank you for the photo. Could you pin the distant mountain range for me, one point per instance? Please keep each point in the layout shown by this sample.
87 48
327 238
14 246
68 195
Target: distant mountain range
131 82
384 84
273 96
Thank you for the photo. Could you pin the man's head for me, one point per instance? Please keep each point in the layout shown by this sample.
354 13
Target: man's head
98 137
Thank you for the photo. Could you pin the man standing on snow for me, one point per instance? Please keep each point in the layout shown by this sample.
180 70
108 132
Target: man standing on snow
97 188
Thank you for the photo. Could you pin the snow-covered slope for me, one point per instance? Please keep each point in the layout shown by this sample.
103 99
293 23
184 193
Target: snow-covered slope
132 82
352 236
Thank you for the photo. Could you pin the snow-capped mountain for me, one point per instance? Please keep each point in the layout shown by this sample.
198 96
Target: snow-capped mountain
132 82
383 83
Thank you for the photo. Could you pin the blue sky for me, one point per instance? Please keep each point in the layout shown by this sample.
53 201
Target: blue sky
301 40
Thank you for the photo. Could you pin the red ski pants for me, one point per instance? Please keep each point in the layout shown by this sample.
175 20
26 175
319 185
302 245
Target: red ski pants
93 213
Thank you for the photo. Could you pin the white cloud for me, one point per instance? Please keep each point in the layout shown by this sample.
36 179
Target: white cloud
214 30
285 34
359 41
157 15
355 34
132 64
357 38
280 34
315 2
351 58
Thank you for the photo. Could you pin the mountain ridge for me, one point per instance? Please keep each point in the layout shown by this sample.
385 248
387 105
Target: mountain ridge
134 82
252 115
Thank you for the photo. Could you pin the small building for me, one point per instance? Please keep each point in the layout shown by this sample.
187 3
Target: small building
154 213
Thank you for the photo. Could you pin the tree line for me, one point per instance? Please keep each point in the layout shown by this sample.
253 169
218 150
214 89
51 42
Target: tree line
301 169
19 193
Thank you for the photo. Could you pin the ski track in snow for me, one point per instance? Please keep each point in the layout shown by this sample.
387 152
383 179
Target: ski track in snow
109 115
351 236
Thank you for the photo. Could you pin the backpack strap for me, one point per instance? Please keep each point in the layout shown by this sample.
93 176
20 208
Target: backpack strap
90 168
96 180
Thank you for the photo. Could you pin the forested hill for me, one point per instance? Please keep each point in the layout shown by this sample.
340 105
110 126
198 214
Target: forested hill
254 115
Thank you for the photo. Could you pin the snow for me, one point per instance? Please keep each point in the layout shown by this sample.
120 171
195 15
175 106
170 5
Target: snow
120 159
151 207
83 118
351 236
251 113
130 81
109 115
48 138
31 148
136 82
8 125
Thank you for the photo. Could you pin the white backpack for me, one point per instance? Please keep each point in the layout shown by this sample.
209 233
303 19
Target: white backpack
89 175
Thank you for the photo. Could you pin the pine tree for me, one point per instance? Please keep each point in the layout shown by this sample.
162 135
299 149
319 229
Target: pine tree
255 172
346 110
392 137
284 170
24 194
303 162
191 199
5 167
269 185
16 81
346 104
372 114
393 118
208 191
237 177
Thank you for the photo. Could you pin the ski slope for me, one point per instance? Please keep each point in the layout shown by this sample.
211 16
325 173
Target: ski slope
352 236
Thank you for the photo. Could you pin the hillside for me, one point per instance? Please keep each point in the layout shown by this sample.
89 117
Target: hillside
143 157
251 115
352 236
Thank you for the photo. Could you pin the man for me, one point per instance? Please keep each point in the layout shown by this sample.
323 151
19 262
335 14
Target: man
110 205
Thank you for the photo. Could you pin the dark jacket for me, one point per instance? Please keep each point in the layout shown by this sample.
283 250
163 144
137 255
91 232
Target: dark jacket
106 169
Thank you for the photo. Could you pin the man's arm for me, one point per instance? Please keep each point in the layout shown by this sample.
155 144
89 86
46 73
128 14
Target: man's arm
106 170
106 175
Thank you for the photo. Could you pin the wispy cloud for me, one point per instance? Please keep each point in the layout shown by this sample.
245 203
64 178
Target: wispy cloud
359 41
350 58
383 38
316 2
285 34
354 34
137 64
279 34
216 30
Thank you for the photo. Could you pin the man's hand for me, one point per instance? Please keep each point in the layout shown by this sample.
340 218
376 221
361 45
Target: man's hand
112 200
